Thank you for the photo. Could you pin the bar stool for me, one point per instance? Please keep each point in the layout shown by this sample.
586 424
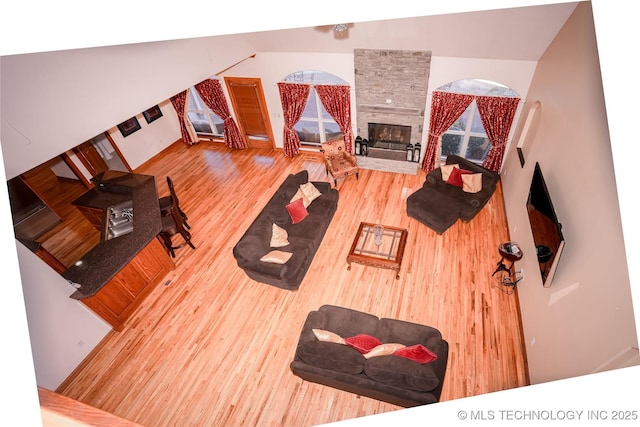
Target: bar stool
174 224
167 201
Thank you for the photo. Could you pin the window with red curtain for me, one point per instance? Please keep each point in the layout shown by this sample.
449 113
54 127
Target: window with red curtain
480 132
211 92
316 124
294 99
337 101
179 102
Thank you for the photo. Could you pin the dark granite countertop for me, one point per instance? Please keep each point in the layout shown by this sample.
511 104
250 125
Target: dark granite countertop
105 260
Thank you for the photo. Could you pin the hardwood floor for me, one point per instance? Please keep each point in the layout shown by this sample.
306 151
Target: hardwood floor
75 236
213 347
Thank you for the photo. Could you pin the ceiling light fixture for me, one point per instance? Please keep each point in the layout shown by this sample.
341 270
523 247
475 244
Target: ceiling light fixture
338 28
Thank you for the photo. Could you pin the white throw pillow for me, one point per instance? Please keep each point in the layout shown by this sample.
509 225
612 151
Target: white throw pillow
276 257
279 237
310 191
472 183
446 170
300 195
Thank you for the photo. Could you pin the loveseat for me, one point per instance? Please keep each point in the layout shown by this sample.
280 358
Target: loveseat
388 377
439 203
258 255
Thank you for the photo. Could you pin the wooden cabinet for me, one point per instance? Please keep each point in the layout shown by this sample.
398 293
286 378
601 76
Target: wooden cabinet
94 216
117 300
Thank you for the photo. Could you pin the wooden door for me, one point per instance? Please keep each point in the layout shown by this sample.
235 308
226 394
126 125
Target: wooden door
250 107
90 158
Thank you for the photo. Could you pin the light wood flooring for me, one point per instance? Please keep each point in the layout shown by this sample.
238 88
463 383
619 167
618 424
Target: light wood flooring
213 347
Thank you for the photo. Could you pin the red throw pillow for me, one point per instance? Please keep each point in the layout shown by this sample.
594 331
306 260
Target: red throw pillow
418 353
455 178
363 343
297 211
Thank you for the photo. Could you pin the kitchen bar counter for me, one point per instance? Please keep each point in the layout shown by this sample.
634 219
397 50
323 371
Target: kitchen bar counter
109 257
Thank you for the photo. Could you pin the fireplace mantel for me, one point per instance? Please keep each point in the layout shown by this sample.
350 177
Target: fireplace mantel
370 108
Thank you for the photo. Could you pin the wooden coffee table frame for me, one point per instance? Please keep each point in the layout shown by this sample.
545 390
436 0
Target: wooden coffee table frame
388 255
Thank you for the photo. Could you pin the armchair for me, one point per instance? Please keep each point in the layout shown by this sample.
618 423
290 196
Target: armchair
338 161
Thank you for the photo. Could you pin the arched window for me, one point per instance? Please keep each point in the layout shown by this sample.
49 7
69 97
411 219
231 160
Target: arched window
316 125
467 137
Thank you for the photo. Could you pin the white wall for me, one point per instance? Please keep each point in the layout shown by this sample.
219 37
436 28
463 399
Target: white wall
584 322
152 137
62 330
61 169
54 101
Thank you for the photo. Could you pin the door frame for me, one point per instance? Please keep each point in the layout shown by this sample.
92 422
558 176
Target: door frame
264 111
85 162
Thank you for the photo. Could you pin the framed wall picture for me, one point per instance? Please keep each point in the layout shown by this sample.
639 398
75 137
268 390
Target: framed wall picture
129 126
153 113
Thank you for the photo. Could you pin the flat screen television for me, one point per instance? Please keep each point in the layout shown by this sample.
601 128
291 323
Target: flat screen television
545 227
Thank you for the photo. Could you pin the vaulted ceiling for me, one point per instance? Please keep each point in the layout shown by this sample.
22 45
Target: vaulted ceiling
519 33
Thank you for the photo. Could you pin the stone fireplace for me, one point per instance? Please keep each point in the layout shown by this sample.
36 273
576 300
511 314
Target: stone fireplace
391 94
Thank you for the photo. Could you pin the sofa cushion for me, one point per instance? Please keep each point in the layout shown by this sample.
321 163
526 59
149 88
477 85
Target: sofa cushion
310 191
455 178
279 237
297 211
333 356
364 343
384 350
345 322
321 205
407 333
328 336
417 353
277 257
400 372
306 229
472 183
300 195
445 170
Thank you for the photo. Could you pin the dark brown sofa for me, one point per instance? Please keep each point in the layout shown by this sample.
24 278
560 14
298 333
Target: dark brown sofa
304 237
438 205
389 378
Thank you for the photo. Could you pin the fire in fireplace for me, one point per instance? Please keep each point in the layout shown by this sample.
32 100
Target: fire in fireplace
388 136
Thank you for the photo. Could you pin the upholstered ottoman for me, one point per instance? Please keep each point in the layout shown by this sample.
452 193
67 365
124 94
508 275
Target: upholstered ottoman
432 208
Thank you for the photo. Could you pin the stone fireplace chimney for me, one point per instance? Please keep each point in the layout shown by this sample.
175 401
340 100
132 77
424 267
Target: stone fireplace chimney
391 88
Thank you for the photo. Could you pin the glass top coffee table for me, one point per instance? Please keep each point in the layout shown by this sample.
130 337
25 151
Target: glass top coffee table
377 245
